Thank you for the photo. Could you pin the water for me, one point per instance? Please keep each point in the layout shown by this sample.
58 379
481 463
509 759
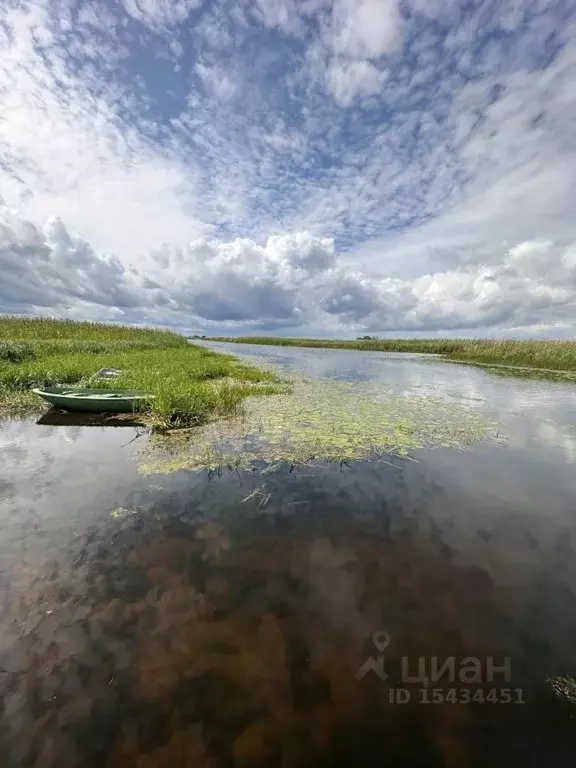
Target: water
163 621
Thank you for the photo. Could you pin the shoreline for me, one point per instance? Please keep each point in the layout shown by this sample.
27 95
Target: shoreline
191 384
552 374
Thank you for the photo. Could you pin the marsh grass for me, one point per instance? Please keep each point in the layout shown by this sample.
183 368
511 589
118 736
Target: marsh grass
19 404
16 351
20 327
190 384
547 354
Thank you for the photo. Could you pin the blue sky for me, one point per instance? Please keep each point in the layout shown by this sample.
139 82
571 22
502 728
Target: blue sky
329 167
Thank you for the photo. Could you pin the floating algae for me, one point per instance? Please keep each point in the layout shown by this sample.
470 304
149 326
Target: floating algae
121 512
319 419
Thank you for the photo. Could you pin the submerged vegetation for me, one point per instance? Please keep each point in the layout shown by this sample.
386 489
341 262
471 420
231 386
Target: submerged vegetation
190 384
545 355
564 690
320 419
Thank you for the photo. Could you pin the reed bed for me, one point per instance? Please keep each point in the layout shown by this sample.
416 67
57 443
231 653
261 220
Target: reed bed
23 327
190 384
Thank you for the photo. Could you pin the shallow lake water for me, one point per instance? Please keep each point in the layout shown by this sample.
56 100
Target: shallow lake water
408 612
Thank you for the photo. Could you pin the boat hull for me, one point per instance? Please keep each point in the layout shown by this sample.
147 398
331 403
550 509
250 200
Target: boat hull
94 400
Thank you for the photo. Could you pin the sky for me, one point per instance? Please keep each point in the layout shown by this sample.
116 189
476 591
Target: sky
322 168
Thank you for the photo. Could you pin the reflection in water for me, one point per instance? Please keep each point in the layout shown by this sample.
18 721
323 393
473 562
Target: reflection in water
214 637
184 623
521 404
57 418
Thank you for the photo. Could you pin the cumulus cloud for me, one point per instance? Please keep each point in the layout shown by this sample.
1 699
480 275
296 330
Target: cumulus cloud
292 280
291 164
244 281
46 268
353 32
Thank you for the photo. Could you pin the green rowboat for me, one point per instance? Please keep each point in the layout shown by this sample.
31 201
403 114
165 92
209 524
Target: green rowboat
94 400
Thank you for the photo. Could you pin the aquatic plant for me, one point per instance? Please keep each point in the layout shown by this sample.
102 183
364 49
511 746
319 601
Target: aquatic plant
121 512
564 689
319 419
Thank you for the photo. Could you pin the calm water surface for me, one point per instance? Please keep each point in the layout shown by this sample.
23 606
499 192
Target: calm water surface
164 621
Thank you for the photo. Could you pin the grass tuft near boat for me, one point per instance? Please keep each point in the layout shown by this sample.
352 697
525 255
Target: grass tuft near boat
94 400
191 384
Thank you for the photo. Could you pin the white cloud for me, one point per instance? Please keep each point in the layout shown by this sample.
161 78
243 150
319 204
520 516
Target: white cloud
350 79
365 29
159 13
97 15
353 33
220 83
280 13
437 153
176 48
66 149
243 281
493 169
289 15
49 268
293 280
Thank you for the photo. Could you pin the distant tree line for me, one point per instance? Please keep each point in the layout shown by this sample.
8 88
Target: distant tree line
368 338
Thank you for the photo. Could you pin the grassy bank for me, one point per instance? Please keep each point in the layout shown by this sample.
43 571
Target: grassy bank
190 384
544 355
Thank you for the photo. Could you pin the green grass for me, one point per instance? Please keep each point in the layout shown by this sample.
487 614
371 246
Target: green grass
16 351
191 385
19 328
544 355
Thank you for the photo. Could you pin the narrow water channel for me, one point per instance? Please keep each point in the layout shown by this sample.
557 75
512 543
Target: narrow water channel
403 612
